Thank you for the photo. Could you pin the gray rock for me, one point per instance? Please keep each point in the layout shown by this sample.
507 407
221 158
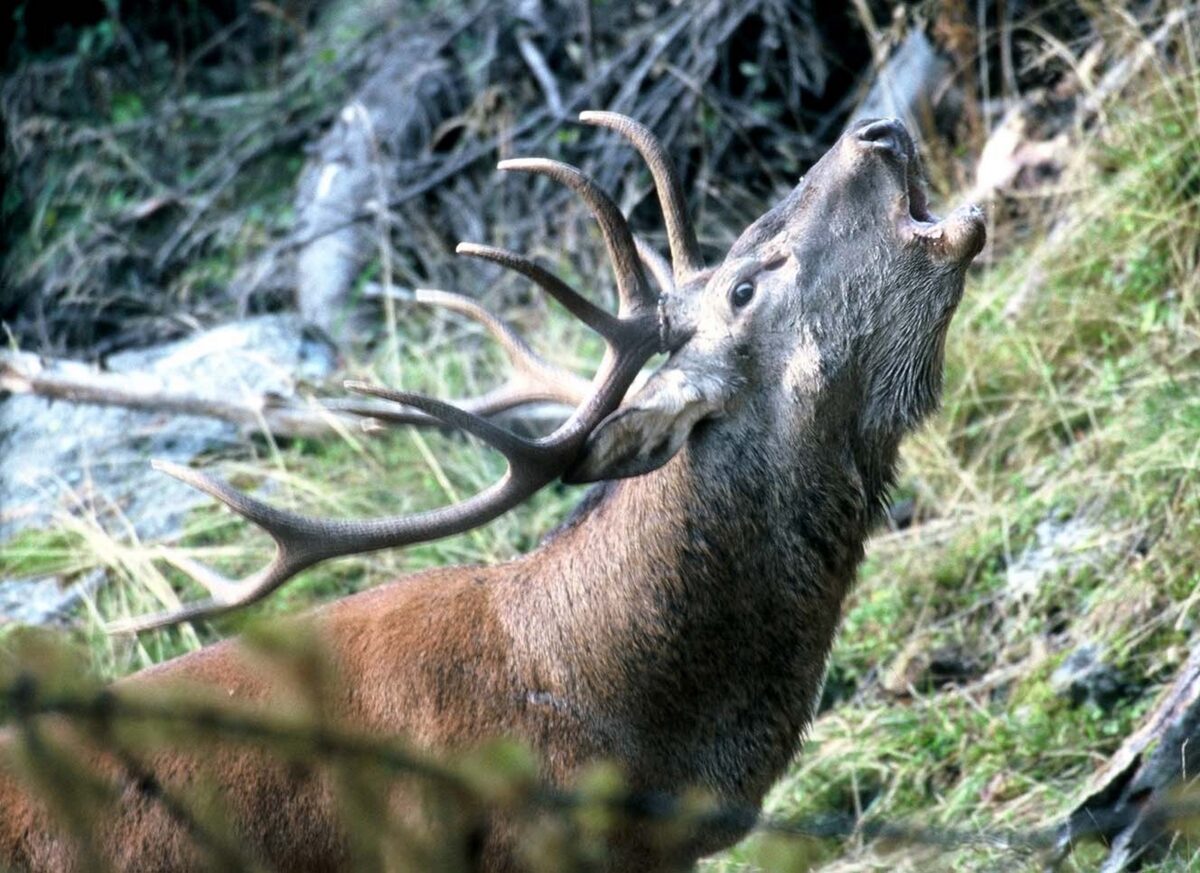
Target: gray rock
61 457
1085 677
45 600
1059 544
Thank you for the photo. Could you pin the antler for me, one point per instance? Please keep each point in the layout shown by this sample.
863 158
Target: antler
685 251
631 337
533 378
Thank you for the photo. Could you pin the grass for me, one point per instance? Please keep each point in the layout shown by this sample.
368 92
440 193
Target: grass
1082 403
1072 402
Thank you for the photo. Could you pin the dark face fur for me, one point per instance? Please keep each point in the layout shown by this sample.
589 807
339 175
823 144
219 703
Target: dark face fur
830 312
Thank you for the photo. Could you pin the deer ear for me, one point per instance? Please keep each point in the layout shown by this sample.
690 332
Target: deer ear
649 428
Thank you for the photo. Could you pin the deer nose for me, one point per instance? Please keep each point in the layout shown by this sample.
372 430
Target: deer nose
886 134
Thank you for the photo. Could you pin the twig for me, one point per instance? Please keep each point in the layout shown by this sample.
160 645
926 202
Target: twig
219 847
875 38
1121 73
233 166
587 33
452 167
541 71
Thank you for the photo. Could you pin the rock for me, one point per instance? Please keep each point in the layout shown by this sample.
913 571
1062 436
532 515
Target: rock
45 600
901 514
58 456
1059 544
1084 677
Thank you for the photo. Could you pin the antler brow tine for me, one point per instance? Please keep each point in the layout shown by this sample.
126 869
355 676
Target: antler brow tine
533 380
511 446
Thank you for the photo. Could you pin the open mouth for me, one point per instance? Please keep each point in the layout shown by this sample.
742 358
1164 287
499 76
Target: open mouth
889 136
918 200
957 237
960 235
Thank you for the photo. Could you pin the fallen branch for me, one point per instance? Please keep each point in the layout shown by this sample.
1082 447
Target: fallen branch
1128 800
1016 148
27 373
282 417
392 116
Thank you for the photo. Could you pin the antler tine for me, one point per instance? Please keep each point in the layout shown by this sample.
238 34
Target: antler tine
296 549
656 264
538 378
574 302
277 522
228 594
520 391
515 348
515 449
302 541
534 378
636 335
685 250
632 289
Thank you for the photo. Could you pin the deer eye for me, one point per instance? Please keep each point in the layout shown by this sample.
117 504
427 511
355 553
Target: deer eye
741 294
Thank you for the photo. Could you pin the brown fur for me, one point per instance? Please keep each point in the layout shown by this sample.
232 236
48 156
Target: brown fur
629 636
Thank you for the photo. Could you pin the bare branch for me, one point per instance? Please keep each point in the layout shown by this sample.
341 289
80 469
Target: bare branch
27 373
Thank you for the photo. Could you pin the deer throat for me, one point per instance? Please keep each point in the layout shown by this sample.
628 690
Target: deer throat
691 642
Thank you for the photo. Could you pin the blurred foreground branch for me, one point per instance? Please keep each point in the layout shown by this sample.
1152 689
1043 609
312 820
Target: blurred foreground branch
517 789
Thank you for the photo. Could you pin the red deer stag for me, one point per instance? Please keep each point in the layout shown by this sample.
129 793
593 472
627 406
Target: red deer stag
679 622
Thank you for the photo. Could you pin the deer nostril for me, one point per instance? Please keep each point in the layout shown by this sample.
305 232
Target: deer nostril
887 134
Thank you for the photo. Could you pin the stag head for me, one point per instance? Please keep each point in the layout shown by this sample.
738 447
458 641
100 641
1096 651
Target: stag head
833 307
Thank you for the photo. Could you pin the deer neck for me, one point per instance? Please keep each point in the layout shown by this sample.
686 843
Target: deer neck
702 598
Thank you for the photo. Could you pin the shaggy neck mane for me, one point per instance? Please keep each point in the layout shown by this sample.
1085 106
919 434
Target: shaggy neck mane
711 585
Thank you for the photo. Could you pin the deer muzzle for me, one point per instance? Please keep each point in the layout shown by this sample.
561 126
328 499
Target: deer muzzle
958 237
